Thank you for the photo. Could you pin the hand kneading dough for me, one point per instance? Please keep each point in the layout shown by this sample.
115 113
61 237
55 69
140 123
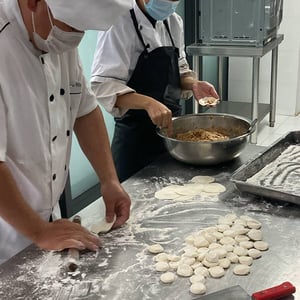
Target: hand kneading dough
198 288
168 277
185 270
241 270
155 248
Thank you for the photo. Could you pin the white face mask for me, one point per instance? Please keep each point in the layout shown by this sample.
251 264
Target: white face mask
58 41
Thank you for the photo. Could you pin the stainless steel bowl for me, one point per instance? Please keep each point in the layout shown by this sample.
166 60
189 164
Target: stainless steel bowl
208 153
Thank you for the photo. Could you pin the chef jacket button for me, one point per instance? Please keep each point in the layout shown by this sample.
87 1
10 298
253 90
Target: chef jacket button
68 132
42 60
54 176
51 98
62 92
54 138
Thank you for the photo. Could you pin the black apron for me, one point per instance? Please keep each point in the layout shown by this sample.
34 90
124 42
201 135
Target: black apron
136 143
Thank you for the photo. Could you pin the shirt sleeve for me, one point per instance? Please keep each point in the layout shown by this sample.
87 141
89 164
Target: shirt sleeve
111 68
184 68
88 99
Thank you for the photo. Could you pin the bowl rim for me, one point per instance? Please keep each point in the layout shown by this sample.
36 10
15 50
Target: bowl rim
158 130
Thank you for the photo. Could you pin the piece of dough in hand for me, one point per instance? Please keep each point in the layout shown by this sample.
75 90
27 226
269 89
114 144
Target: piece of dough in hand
102 226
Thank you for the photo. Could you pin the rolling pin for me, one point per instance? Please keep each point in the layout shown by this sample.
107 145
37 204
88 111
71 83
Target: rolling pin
73 253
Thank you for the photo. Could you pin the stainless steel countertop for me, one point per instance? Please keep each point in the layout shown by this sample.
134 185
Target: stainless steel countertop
123 269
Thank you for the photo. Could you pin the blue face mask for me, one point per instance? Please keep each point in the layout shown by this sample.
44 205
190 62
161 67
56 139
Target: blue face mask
160 9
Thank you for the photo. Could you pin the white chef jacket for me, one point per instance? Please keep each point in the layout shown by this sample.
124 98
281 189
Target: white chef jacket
119 48
40 98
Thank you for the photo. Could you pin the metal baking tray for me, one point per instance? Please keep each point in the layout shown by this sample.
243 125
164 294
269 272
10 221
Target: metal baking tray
240 176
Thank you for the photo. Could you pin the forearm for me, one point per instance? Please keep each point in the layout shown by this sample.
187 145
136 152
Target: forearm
93 139
15 210
187 82
134 101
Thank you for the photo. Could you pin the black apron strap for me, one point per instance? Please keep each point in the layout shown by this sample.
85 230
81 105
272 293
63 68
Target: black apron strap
136 26
168 29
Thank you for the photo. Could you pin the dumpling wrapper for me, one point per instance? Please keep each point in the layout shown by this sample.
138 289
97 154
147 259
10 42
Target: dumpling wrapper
102 226
211 101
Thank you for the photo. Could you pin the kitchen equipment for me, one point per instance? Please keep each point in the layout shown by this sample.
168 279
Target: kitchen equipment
240 176
73 253
237 292
208 153
239 22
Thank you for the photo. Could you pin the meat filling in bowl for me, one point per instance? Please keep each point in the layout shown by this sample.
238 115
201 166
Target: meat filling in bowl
203 135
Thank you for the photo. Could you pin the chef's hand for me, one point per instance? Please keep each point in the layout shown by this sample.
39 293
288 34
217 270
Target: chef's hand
117 203
62 234
160 115
203 89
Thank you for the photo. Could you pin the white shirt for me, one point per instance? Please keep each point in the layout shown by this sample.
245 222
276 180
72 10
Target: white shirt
119 48
40 98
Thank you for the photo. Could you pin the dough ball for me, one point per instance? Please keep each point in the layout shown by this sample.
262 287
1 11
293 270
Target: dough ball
227 240
188 260
161 257
201 271
233 257
155 248
209 264
241 238
167 277
185 270
209 237
255 235
174 264
221 252
214 246
240 251
246 260
200 241
222 227
241 270
212 256
196 265
260 245
191 252
254 253
162 266
228 247
197 278
247 244
216 272
224 263
253 224
198 288
218 235
230 232
172 257
239 229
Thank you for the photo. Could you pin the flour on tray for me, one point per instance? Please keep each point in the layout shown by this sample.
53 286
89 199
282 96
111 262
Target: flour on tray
281 174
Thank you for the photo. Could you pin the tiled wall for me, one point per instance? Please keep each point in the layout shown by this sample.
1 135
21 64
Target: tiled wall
288 84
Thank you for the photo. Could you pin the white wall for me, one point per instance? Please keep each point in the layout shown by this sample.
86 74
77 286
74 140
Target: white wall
288 80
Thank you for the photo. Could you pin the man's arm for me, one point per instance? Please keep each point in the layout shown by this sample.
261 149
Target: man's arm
57 235
92 136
